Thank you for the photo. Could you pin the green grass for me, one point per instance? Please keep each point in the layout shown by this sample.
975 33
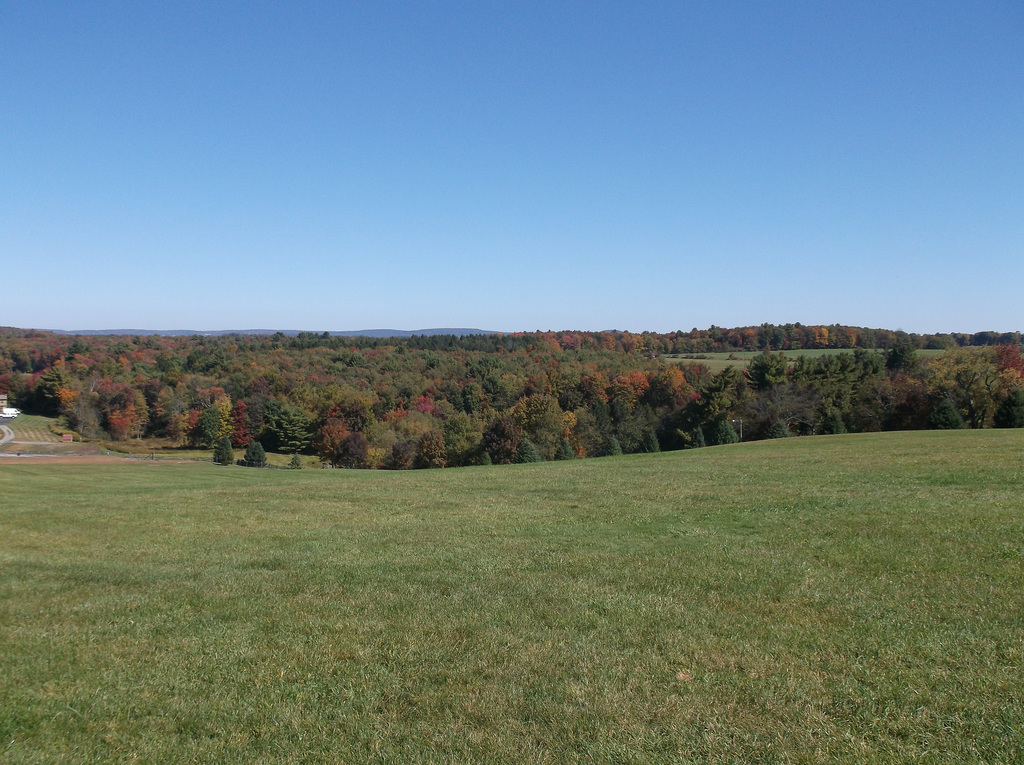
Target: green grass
36 435
36 428
30 427
716 362
849 598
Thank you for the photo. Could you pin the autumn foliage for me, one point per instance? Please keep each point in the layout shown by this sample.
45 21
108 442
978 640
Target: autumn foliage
452 401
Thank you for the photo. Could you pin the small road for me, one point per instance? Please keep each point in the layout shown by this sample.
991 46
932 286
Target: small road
6 435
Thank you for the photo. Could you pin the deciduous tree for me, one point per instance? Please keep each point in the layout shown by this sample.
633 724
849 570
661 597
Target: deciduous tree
430 451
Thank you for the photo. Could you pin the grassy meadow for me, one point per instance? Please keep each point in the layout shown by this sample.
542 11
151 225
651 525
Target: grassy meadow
847 598
717 361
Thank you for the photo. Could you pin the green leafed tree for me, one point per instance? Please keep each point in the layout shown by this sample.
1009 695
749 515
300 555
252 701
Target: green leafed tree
207 429
501 440
430 451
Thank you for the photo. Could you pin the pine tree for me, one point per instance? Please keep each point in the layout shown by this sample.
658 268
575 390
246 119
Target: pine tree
612 447
296 463
527 452
722 432
254 455
945 416
565 451
223 454
832 423
1010 413
698 439
649 443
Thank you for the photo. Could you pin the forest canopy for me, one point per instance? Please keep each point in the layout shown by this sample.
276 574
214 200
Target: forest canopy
445 400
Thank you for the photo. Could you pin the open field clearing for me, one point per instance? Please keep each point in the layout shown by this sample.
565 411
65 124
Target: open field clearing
34 436
29 427
831 599
716 362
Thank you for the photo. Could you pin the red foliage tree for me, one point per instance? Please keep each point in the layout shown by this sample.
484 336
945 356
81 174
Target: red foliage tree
240 435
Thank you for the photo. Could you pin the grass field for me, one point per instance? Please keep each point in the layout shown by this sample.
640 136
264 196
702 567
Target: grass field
830 599
716 362
29 427
36 435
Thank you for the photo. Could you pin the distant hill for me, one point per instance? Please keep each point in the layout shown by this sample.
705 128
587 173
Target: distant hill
457 331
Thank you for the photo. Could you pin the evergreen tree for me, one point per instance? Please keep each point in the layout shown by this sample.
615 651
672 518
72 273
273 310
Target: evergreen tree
721 432
832 423
565 451
254 455
612 447
47 389
901 357
526 452
223 454
698 439
777 429
293 430
649 443
1010 413
296 463
945 416
766 370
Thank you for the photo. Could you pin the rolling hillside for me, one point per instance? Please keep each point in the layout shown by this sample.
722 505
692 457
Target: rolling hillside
847 598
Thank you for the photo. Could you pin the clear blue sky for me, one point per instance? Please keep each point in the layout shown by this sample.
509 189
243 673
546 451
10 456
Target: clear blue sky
512 166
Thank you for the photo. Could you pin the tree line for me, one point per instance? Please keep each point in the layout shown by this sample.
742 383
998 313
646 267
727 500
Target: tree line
446 401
